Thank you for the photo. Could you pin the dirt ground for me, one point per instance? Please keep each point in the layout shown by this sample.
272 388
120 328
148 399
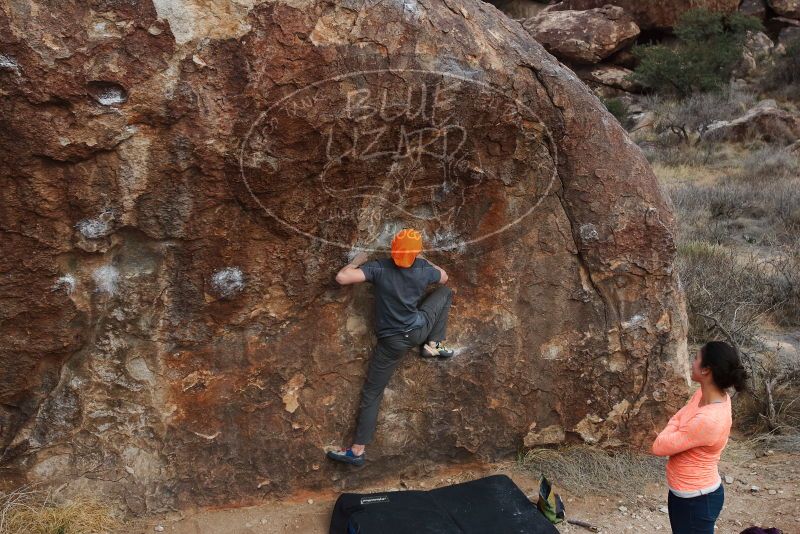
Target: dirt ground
775 502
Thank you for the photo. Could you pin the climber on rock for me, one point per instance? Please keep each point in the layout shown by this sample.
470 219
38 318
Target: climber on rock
401 322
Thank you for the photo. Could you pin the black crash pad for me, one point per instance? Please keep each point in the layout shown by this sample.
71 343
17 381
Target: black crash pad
491 505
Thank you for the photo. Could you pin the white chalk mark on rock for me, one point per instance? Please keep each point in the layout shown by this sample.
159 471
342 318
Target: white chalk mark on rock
66 282
96 227
8 63
206 436
111 96
588 232
228 282
106 279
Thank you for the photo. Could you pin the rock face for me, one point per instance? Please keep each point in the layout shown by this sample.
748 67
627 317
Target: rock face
753 8
181 182
756 55
519 9
765 121
786 8
583 36
650 14
788 35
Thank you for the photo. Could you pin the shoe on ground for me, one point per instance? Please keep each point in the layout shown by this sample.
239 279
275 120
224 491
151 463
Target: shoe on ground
347 456
437 349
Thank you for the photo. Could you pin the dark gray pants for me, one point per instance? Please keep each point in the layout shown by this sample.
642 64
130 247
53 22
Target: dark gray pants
391 349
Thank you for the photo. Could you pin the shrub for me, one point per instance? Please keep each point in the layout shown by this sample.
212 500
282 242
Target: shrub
585 470
785 268
769 164
769 208
772 405
700 157
33 511
709 47
722 287
618 108
689 118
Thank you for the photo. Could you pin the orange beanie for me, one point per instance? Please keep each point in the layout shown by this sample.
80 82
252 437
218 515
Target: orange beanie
405 247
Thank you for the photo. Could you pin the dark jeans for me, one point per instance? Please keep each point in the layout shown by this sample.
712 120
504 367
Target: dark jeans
695 515
390 350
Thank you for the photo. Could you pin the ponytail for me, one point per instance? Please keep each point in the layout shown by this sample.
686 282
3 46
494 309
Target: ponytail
725 364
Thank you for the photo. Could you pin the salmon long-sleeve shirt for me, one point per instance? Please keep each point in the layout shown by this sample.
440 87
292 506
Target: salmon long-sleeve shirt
694 439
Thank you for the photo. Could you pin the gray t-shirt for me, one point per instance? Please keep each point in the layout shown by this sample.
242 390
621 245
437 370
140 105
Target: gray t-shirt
398 292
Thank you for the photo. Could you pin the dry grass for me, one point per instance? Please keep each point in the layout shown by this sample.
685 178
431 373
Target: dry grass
783 79
30 511
738 254
583 470
736 291
750 410
738 209
768 164
779 442
683 173
772 405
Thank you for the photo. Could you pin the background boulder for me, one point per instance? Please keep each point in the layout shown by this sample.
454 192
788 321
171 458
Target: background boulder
649 14
583 36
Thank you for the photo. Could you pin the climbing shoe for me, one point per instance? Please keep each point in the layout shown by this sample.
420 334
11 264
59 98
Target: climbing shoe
436 349
347 456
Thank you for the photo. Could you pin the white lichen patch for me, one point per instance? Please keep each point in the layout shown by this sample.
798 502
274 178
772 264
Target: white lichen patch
228 282
67 283
106 279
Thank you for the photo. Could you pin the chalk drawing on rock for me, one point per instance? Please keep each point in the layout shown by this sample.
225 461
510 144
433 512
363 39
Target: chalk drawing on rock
393 155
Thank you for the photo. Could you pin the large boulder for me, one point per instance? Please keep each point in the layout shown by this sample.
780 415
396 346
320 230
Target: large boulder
650 14
765 121
609 77
753 8
788 36
583 36
181 183
757 55
786 8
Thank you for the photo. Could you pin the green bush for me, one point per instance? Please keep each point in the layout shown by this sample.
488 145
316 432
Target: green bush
618 108
709 47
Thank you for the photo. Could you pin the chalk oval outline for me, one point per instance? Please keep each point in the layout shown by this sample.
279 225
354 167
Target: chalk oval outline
338 77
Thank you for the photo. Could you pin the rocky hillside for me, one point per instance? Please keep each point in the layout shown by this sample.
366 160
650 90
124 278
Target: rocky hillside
594 37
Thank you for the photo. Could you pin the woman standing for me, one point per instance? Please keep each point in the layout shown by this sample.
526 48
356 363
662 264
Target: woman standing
695 437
